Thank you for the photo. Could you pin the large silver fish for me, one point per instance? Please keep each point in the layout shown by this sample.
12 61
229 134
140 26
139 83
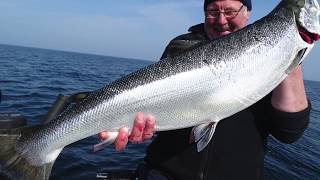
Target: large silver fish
205 84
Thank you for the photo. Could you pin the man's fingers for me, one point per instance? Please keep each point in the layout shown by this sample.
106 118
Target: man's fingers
122 139
149 127
138 128
103 135
143 129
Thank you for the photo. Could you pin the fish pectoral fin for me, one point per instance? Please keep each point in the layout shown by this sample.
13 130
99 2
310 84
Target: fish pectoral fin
297 60
111 139
203 134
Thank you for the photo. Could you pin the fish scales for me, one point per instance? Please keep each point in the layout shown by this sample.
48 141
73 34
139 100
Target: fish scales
206 84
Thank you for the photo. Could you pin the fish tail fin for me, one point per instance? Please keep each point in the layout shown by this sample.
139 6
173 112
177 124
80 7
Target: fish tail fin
12 164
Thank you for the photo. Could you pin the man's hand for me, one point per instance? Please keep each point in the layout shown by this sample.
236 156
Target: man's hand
290 95
143 129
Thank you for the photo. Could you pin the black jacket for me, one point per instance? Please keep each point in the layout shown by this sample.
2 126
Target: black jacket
238 146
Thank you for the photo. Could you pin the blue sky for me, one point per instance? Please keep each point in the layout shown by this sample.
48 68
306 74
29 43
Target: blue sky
128 28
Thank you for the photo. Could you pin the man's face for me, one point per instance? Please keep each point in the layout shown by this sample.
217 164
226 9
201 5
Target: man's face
219 24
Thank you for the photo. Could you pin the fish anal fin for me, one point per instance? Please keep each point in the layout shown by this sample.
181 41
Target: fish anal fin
111 138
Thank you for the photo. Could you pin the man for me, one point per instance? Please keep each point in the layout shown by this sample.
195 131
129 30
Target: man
238 146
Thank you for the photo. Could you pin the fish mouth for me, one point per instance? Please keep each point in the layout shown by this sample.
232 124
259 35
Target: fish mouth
307 36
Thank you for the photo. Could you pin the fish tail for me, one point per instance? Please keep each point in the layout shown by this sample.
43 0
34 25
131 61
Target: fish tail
12 164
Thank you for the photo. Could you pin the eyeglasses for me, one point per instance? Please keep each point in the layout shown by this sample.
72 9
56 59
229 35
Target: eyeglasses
229 14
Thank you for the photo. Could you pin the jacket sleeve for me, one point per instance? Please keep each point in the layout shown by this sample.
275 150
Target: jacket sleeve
287 127
166 51
181 44
177 46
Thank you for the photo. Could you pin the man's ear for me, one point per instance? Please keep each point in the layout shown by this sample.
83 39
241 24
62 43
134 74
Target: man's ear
247 13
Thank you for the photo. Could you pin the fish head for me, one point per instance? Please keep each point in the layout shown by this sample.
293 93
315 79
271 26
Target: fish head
307 15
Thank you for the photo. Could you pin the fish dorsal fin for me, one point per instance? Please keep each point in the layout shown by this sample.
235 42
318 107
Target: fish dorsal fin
203 133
